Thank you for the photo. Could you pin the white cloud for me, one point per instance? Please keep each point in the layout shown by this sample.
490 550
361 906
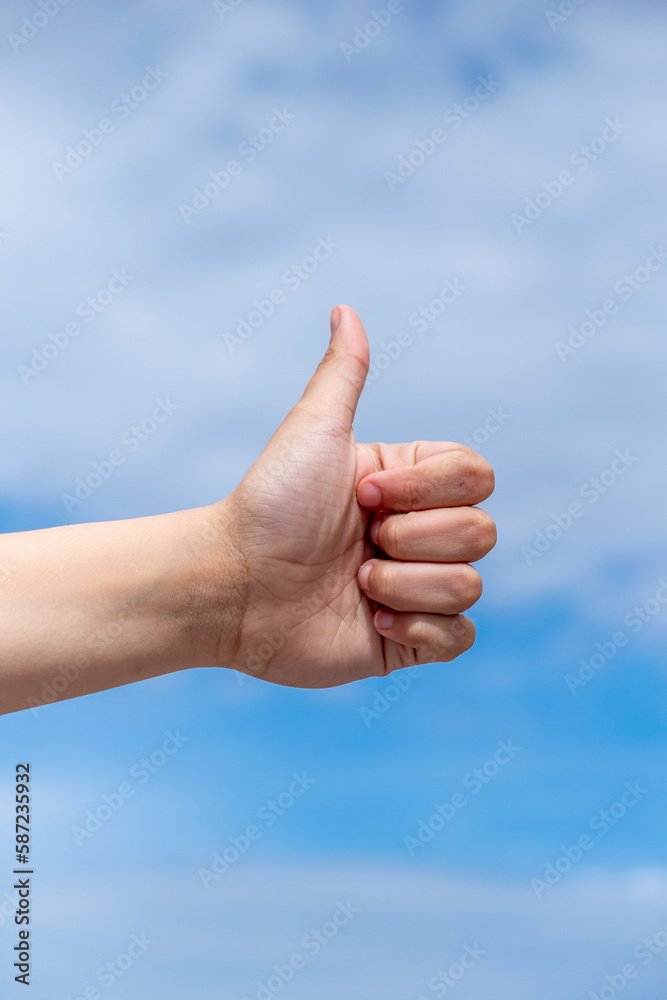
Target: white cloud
411 926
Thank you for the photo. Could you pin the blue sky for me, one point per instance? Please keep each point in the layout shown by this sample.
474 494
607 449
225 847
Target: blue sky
161 334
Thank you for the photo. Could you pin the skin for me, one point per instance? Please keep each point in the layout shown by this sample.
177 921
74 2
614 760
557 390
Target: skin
330 561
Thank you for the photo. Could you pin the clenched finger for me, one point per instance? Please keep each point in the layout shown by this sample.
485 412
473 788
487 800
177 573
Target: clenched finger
458 477
437 588
453 534
426 638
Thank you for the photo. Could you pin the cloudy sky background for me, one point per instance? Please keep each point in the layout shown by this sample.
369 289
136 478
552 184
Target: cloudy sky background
323 177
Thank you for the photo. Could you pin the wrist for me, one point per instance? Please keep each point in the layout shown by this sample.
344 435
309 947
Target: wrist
216 583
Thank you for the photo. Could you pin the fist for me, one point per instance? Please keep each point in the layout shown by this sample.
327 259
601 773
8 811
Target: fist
353 560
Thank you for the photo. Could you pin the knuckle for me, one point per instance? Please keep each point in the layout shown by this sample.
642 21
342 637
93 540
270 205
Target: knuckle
429 642
420 636
442 643
457 638
485 479
480 533
388 586
380 582
465 633
476 472
466 586
411 493
461 637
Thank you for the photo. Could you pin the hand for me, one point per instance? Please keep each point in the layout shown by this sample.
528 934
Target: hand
289 578
355 557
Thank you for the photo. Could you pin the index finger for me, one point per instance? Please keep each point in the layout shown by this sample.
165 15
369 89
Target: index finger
456 477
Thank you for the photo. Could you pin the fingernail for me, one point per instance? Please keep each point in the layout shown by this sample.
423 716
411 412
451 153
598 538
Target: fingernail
369 495
363 575
335 319
384 619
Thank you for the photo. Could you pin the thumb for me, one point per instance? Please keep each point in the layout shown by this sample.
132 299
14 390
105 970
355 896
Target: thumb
333 392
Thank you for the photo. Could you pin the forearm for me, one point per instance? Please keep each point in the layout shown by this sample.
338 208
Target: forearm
88 607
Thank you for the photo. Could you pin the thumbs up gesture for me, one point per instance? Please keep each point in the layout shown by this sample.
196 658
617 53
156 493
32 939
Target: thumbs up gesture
353 560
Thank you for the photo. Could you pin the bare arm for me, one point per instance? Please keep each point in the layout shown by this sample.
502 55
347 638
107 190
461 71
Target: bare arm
92 606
